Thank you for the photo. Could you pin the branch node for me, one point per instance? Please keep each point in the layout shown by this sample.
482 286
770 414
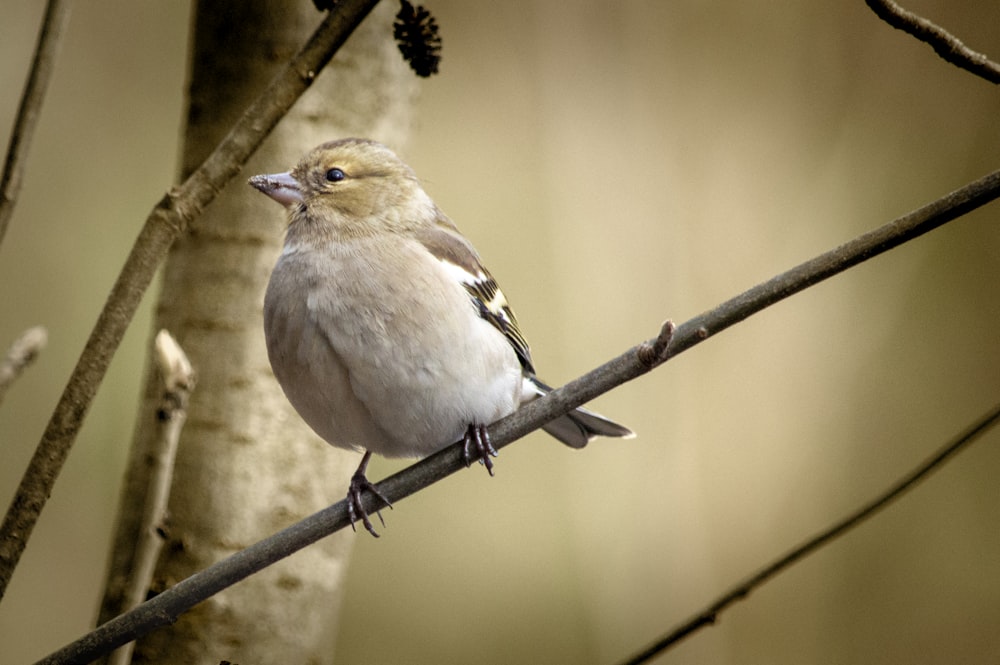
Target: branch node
656 352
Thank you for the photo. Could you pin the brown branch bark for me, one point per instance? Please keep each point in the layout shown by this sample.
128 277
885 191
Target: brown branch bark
49 39
945 44
638 360
167 221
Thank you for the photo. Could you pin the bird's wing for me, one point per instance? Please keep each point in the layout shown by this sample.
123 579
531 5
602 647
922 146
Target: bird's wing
448 246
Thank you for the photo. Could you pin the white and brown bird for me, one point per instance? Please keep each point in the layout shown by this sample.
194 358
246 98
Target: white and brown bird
383 328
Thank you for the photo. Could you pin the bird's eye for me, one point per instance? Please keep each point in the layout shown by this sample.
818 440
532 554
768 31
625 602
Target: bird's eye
335 175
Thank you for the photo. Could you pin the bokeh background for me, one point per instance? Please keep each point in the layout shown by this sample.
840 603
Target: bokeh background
616 163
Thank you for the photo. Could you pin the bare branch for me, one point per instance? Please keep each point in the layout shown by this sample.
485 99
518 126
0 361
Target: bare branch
945 44
710 614
21 353
166 222
178 379
49 39
167 606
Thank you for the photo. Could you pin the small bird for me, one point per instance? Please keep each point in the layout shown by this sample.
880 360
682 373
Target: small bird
383 328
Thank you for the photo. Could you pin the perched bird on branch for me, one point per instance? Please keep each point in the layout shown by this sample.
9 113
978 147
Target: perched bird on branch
383 328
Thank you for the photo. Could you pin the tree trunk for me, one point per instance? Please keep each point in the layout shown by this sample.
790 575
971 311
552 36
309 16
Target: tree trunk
247 465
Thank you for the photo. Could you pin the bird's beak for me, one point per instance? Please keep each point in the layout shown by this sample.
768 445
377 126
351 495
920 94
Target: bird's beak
281 187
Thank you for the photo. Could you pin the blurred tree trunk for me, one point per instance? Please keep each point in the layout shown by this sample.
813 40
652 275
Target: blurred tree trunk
247 466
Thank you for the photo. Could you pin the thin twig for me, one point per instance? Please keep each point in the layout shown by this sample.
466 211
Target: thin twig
21 353
178 381
166 222
167 606
945 44
710 614
49 39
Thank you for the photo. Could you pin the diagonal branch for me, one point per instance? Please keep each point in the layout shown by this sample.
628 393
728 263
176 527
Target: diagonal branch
166 222
945 44
167 606
49 39
710 614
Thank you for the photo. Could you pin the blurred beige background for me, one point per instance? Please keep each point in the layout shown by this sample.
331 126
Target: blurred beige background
616 163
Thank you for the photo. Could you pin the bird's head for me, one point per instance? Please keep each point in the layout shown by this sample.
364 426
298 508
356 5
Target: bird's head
352 184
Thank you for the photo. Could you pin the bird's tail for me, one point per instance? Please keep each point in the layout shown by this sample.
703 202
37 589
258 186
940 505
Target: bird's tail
579 426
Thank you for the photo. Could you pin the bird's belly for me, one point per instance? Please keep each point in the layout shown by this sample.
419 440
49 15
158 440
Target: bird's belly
424 396
367 380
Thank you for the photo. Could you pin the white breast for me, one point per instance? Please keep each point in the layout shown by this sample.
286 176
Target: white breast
373 359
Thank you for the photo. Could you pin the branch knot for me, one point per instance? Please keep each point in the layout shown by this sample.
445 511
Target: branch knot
655 352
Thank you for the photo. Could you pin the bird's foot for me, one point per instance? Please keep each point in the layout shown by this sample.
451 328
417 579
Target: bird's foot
355 508
477 447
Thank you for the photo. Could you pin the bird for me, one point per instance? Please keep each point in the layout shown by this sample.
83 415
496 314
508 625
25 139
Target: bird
383 328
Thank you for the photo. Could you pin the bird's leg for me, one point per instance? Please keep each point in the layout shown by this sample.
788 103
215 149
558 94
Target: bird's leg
478 447
360 483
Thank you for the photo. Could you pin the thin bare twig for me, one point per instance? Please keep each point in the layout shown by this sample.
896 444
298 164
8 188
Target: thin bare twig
49 39
166 222
178 381
945 44
710 614
21 353
167 606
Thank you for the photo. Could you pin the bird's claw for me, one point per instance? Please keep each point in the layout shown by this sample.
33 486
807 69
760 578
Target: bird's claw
356 509
477 447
